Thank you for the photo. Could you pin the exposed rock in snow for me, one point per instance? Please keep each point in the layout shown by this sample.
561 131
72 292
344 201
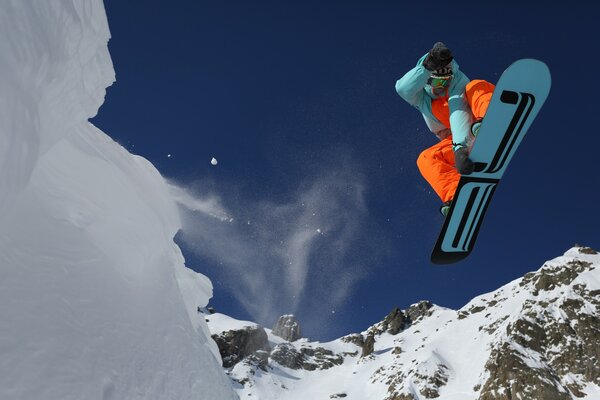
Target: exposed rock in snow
235 345
418 311
395 322
287 327
552 347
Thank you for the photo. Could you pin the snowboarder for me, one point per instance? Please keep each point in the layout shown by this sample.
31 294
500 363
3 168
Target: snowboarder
453 108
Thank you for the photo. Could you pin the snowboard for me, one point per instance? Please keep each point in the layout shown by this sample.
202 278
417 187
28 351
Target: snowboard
517 99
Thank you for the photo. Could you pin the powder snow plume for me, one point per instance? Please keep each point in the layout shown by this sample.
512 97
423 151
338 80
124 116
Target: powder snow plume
279 257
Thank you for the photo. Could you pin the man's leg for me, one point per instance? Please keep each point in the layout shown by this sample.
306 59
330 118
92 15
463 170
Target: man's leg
479 94
437 167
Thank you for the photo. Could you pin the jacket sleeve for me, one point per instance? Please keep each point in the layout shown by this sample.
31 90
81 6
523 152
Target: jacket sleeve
460 112
410 86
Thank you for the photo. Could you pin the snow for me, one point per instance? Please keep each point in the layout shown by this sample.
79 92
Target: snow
455 348
219 323
95 299
592 391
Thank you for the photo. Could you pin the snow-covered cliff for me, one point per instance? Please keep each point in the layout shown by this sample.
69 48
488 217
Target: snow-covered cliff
95 300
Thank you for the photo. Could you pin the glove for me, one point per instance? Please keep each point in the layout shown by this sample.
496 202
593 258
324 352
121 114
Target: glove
439 56
464 165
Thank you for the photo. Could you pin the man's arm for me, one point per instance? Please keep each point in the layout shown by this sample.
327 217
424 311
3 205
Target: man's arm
460 112
410 86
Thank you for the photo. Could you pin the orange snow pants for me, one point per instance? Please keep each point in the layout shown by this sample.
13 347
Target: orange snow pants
437 162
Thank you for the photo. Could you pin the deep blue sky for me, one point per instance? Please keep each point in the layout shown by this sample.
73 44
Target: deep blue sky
279 91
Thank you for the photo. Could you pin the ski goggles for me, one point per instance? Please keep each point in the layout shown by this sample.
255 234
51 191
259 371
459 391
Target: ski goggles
439 81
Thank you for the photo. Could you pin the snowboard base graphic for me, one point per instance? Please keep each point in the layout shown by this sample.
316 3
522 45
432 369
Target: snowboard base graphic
517 99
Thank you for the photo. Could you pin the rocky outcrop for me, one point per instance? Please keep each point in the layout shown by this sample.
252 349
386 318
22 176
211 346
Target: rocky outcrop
355 338
418 311
511 376
319 358
586 250
549 278
307 358
236 345
424 380
285 354
368 346
552 341
251 345
287 327
395 322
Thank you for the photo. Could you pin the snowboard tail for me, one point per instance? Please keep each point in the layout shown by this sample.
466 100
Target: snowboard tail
518 97
464 219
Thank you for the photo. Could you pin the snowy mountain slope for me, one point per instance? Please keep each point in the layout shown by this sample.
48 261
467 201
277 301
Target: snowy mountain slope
95 300
537 337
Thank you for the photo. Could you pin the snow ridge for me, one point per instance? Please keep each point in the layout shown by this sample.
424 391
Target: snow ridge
534 338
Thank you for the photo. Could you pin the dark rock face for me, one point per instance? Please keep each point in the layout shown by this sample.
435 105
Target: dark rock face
560 337
418 311
427 384
235 345
306 358
319 358
395 322
579 336
251 346
287 328
510 376
368 345
285 354
260 358
433 382
355 338
586 250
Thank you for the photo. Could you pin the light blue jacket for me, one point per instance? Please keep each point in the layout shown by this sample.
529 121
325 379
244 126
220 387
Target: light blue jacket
413 88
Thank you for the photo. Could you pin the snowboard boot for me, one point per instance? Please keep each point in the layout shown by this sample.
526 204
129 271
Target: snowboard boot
445 208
